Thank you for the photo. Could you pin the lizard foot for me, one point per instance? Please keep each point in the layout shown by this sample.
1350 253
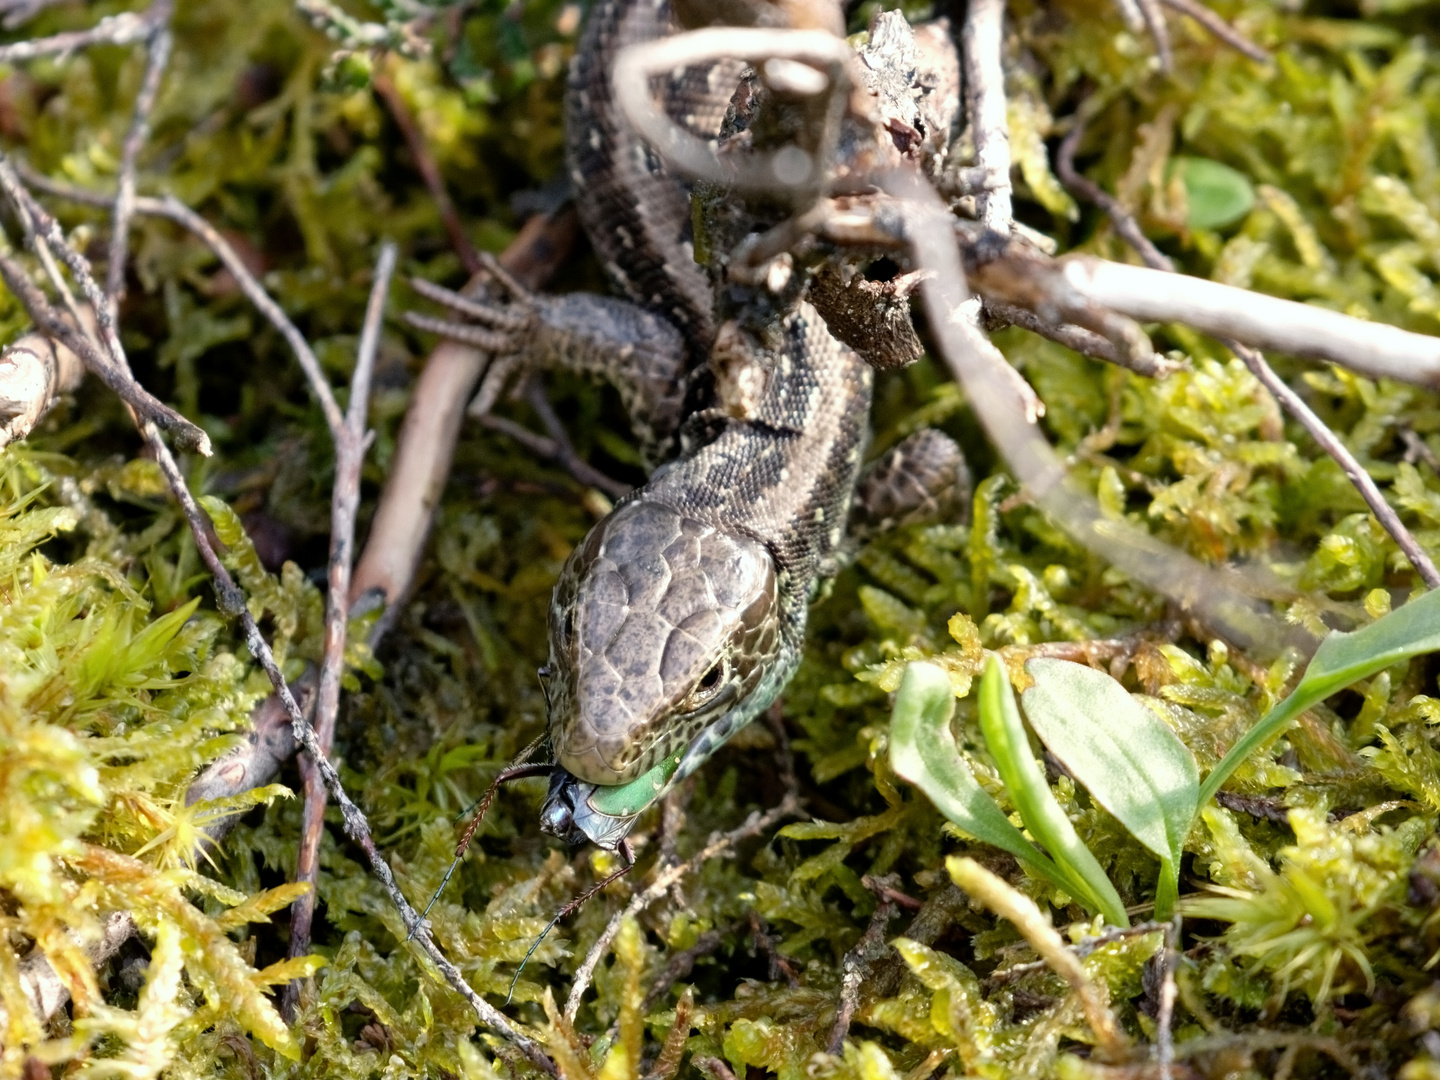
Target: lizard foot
923 478
499 327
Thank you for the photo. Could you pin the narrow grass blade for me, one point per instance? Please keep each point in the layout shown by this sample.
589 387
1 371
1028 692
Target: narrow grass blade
1025 781
1341 660
923 751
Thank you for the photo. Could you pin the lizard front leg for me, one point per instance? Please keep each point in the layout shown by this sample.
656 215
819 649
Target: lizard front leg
614 341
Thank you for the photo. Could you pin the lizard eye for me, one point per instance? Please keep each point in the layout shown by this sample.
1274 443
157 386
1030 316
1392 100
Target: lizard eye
708 685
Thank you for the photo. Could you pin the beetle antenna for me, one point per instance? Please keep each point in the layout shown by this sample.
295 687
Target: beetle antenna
574 905
516 770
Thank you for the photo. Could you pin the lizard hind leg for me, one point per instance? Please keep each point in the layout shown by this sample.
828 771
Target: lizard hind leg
922 479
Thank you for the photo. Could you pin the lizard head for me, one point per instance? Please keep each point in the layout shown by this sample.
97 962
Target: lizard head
662 630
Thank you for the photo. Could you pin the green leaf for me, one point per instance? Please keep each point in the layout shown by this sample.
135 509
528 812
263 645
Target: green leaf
1025 781
923 751
1124 755
1216 195
1342 659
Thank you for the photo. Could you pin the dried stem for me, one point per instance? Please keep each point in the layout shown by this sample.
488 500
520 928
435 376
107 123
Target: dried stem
1165 1015
564 456
1085 342
231 601
981 45
1328 441
1154 19
856 967
176 211
172 208
1037 929
1253 359
345 504
754 825
123 29
1220 28
156 60
55 326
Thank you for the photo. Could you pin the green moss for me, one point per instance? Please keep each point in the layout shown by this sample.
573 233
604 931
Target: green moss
118 679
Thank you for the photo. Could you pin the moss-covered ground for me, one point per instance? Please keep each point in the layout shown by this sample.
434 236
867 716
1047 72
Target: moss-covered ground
119 679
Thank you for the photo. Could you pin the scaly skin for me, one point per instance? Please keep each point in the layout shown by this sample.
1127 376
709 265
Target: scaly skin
682 614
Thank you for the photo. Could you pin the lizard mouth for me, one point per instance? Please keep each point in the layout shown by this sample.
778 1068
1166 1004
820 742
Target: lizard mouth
568 815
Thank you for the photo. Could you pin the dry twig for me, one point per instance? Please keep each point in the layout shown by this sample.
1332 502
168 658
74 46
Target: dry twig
231 601
754 825
156 60
981 46
856 966
1289 400
345 504
551 450
428 169
123 29
1220 29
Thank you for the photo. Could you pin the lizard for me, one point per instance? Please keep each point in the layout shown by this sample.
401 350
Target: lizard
681 615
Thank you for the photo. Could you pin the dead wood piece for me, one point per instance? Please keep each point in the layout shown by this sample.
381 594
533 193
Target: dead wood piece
981 45
872 317
34 372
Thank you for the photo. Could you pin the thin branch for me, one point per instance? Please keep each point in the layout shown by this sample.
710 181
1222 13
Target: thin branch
176 211
21 11
428 169
345 505
123 29
1087 189
1220 29
981 45
231 601
754 825
156 60
55 326
172 208
1154 19
1163 270
1356 473
1165 1015
855 968
392 553
1085 342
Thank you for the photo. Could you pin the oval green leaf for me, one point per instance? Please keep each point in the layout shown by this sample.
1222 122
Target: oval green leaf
1124 755
1215 194
923 751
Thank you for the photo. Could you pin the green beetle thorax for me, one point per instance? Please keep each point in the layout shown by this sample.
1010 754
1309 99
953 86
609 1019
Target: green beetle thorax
660 625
